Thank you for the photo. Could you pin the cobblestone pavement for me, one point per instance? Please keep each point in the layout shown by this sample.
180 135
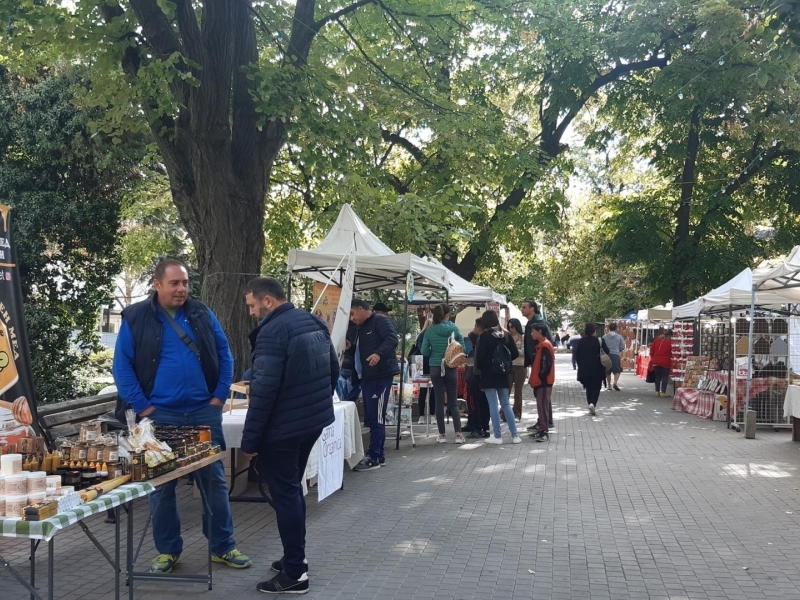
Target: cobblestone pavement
636 502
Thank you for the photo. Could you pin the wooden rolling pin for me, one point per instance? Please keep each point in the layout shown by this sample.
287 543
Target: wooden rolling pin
19 410
106 486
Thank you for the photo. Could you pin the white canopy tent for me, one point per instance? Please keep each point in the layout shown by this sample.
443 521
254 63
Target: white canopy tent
735 294
657 313
463 292
377 265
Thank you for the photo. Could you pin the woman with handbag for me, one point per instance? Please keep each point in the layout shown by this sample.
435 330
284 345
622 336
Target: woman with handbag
661 360
443 378
591 372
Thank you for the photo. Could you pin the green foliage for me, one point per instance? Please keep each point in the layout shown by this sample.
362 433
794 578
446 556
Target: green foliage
66 187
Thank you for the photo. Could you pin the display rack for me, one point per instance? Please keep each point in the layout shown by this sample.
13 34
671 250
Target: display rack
771 372
682 345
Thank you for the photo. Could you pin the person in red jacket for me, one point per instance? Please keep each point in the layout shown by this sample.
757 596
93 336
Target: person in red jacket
661 360
543 375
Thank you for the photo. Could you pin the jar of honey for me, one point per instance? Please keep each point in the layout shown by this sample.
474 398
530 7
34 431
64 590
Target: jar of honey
204 433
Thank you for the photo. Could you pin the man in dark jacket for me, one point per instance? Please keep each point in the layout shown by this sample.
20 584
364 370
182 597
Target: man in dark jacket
172 363
532 312
295 371
376 365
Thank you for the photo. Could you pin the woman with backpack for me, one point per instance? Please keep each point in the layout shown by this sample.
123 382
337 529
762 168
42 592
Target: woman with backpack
496 352
443 378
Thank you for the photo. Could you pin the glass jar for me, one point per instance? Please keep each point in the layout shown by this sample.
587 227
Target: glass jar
204 433
111 453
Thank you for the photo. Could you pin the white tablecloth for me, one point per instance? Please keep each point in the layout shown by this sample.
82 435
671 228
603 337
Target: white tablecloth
791 402
233 425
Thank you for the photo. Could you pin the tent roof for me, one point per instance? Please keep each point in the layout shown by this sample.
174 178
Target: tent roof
377 266
462 291
734 294
657 313
783 279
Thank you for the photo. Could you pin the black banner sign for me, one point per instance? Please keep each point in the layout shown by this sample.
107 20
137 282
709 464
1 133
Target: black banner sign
17 396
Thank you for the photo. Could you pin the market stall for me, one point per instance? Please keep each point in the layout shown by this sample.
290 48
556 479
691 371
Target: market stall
376 267
728 319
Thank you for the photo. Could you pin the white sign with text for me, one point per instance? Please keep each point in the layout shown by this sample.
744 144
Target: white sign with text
331 457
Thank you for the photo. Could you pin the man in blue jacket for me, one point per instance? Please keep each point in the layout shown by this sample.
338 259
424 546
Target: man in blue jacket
172 363
294 375
376 365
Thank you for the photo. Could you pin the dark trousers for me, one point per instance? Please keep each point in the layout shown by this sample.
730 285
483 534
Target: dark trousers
544 406
376 398
478 407
593 393
445 384
430 396
282 465
662 378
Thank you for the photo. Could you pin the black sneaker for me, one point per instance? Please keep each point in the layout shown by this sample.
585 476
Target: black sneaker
278 565
382 461
486 433
542 436
367 464
475 434
283 584
616 387
534 427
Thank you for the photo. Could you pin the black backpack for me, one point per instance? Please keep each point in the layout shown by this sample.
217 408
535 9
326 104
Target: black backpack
501 359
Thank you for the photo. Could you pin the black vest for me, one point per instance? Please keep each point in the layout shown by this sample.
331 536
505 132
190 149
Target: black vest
146 327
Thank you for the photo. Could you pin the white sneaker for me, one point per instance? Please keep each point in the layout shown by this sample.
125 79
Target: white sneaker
591 409
422 421
459 439
493 440
516 440
442 439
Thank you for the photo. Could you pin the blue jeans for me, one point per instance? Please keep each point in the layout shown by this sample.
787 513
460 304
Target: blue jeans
282 465
501 394
349 386
211 482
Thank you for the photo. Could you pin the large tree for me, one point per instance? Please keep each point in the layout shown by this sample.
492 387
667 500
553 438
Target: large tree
66 187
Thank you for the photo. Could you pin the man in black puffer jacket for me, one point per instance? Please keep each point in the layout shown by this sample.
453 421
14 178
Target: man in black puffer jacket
294 374
376 365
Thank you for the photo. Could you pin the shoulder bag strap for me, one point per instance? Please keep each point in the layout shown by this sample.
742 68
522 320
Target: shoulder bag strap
181 333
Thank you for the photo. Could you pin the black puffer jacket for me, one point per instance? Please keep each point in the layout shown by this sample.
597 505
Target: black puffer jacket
377 335
295 371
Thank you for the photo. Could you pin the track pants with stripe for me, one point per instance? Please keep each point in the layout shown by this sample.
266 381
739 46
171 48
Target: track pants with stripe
376 398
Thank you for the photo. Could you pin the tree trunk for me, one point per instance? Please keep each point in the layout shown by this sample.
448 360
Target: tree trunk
682 245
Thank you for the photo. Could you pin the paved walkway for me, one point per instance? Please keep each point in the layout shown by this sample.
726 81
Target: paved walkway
636 502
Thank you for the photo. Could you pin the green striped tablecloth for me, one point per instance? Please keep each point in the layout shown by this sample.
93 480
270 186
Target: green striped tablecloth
45 530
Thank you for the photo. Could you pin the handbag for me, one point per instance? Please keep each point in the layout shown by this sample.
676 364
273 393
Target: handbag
454 355
605 359
651 373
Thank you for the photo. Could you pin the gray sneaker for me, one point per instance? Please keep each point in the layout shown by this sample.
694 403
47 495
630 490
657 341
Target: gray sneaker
367 464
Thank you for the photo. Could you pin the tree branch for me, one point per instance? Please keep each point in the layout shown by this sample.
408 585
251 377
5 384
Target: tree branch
335 16
407 145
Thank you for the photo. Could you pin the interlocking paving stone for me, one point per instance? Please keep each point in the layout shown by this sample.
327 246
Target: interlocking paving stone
638 502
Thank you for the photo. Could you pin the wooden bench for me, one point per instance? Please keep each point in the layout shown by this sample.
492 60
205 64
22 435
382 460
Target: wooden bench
63 419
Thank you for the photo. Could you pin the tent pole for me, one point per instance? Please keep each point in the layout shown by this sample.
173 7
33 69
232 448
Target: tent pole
750 349
402 371
731 365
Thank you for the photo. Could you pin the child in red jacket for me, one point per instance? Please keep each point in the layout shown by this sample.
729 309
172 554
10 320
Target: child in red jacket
543 375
